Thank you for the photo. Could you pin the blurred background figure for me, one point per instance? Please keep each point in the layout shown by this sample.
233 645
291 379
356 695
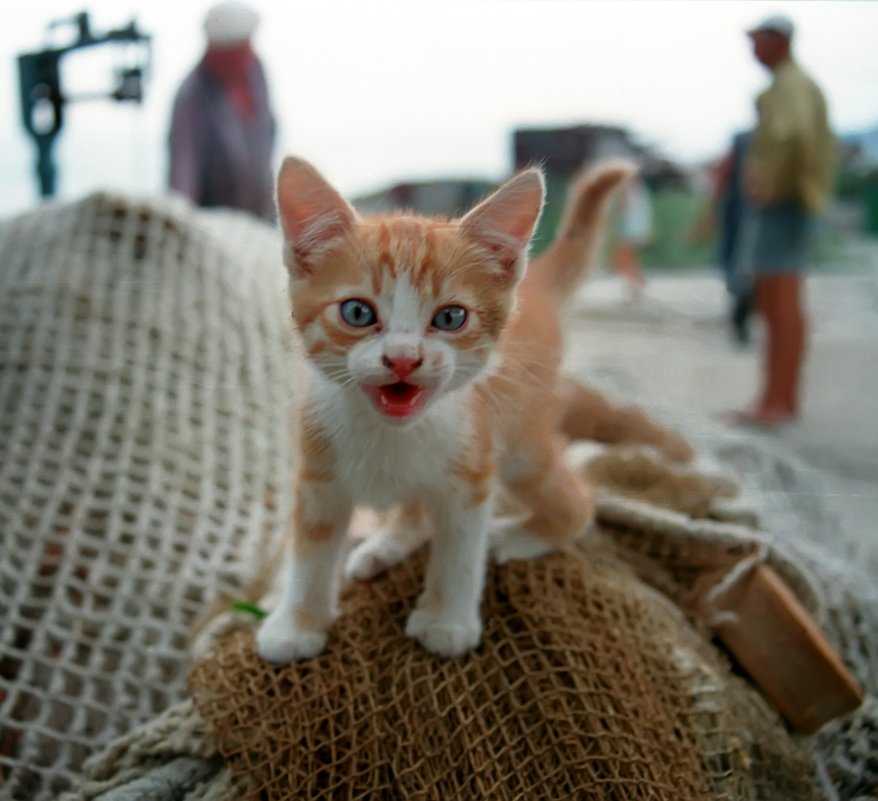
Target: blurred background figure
222 127
788 176
731 209
634 231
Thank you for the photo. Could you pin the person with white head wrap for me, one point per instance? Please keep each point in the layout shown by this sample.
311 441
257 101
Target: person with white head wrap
222 127
230 22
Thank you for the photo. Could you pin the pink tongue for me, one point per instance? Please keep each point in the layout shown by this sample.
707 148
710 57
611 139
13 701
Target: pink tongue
399 399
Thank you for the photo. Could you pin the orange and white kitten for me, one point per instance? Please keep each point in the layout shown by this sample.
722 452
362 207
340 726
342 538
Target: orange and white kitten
433 358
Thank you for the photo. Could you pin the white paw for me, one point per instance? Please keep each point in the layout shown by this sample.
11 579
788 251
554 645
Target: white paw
443 636
372 557
281 642
516 543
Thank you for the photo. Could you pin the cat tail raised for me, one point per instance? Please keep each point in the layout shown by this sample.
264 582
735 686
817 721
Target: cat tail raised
571 255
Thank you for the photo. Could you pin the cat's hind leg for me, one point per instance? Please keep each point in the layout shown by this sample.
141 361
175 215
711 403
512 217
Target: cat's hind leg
589 415
559 503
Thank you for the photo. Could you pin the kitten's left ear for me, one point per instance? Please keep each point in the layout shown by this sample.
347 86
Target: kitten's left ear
504 222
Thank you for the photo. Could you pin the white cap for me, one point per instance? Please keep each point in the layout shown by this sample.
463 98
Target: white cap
230 23
779 24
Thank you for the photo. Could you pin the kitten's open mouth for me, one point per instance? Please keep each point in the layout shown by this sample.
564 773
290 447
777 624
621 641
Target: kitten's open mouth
399 400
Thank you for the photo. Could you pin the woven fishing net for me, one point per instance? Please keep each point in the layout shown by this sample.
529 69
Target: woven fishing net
588 684
142 420
144 456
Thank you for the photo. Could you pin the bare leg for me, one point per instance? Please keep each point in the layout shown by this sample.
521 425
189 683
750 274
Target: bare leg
791 346
627 264
779 302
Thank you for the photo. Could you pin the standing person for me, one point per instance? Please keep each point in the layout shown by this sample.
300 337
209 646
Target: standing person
731 210
222 127
635 231
788 177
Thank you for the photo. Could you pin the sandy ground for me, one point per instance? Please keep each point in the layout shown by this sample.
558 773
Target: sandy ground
670 351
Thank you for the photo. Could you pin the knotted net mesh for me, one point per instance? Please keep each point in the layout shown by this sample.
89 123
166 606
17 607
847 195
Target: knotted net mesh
142 439
588 684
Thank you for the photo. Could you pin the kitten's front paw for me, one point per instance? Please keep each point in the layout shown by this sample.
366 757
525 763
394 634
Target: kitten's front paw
516 543
372 557
281 642
443 636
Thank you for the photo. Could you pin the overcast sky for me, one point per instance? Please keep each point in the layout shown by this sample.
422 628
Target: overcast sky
374 91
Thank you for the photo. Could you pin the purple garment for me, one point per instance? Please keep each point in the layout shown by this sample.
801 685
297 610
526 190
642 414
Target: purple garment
219 157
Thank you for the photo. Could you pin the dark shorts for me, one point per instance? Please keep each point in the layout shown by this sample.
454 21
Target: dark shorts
780 239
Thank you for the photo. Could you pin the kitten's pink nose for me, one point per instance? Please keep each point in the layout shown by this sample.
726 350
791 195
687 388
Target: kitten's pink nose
401 365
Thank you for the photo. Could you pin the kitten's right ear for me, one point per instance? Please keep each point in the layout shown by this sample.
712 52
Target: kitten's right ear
504 222
313 216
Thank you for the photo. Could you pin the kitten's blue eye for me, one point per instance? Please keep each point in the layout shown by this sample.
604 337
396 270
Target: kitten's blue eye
450 318
358 313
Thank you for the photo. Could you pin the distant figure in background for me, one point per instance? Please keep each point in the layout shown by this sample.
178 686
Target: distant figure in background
634 231
731 209
788 176
222 127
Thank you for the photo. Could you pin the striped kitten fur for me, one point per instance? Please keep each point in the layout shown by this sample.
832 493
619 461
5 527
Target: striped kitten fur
433 352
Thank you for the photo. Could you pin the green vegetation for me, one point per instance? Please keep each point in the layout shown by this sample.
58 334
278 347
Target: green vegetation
677 213
556 197
248 609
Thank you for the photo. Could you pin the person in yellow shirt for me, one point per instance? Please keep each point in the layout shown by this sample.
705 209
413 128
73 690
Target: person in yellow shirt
788 179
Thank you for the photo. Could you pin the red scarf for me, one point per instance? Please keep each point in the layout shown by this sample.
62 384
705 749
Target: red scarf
231 66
